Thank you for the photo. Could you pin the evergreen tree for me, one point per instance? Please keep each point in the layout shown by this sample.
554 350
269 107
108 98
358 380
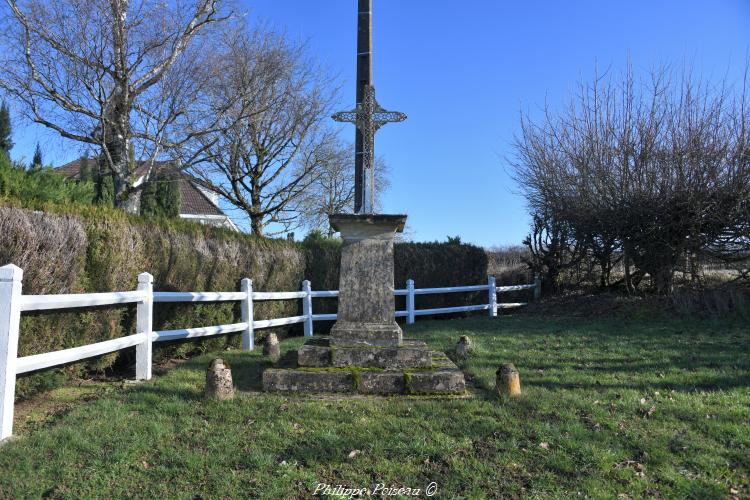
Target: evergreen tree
161 197
37 162
6 130
105 184
86 172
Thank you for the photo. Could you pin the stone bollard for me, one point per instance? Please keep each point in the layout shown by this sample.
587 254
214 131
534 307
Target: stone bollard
508 382
219 381
271 348
464 347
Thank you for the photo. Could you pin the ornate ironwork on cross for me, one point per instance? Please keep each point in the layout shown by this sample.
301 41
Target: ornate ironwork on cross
368 117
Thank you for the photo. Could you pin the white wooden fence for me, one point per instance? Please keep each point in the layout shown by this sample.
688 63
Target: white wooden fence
13 303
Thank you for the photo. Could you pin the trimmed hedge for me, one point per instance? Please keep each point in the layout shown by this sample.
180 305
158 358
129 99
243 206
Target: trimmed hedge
77 249
102 249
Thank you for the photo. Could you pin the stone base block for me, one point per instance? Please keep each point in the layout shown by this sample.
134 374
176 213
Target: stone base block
442 378
319 353
437 381
346 333
291 380
381 357
385 382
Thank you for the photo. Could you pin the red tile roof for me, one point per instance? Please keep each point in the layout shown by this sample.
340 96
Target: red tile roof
192 200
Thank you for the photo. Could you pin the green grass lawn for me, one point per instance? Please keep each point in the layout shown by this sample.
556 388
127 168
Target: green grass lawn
646 407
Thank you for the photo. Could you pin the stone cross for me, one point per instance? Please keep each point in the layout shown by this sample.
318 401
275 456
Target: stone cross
368 116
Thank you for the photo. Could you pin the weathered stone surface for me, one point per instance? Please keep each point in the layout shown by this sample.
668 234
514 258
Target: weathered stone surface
271 348
464 347
314 355
386 382
443 378
366 338
507 380
443 381
279 380
366 301
381 357
219 381
319 353
440 360
352 334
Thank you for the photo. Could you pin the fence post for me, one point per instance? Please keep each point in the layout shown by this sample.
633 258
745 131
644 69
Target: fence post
144 324
409 301
307 309
537 287
492 293
10 316
248 334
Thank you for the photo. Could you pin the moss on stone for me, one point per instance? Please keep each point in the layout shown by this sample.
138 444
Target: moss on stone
407 383
356 378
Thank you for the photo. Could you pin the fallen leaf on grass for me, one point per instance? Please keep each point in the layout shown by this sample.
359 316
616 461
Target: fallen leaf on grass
353 454
648 413
544 445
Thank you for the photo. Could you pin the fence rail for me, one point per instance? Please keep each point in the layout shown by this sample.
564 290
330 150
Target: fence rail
13 302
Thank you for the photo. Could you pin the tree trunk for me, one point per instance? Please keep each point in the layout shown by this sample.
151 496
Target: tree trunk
663 279
256 224
628 277
116 135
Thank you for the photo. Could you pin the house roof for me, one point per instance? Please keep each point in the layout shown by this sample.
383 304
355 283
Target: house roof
193 201
72 170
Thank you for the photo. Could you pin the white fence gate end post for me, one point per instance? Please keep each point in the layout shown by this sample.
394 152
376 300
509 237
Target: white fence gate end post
10 317
307 309
492 293
248 334
409 301
145 324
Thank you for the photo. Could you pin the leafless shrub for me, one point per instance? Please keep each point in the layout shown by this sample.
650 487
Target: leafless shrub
646 171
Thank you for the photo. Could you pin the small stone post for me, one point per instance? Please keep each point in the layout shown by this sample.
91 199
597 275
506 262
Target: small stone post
248 334
464 347
307 308
492 292
144 324
508 382
10 317
409 301
219 383
271 347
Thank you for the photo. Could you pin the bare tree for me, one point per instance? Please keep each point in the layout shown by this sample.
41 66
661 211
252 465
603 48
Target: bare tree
274 102
108 73
332 189
652 170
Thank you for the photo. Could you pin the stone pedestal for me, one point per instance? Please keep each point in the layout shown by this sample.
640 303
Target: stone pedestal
366 352
366 301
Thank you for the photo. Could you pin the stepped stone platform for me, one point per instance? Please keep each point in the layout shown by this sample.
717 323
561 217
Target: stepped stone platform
410 368
366 352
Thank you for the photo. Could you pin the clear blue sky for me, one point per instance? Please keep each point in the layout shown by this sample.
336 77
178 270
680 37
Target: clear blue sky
464 70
